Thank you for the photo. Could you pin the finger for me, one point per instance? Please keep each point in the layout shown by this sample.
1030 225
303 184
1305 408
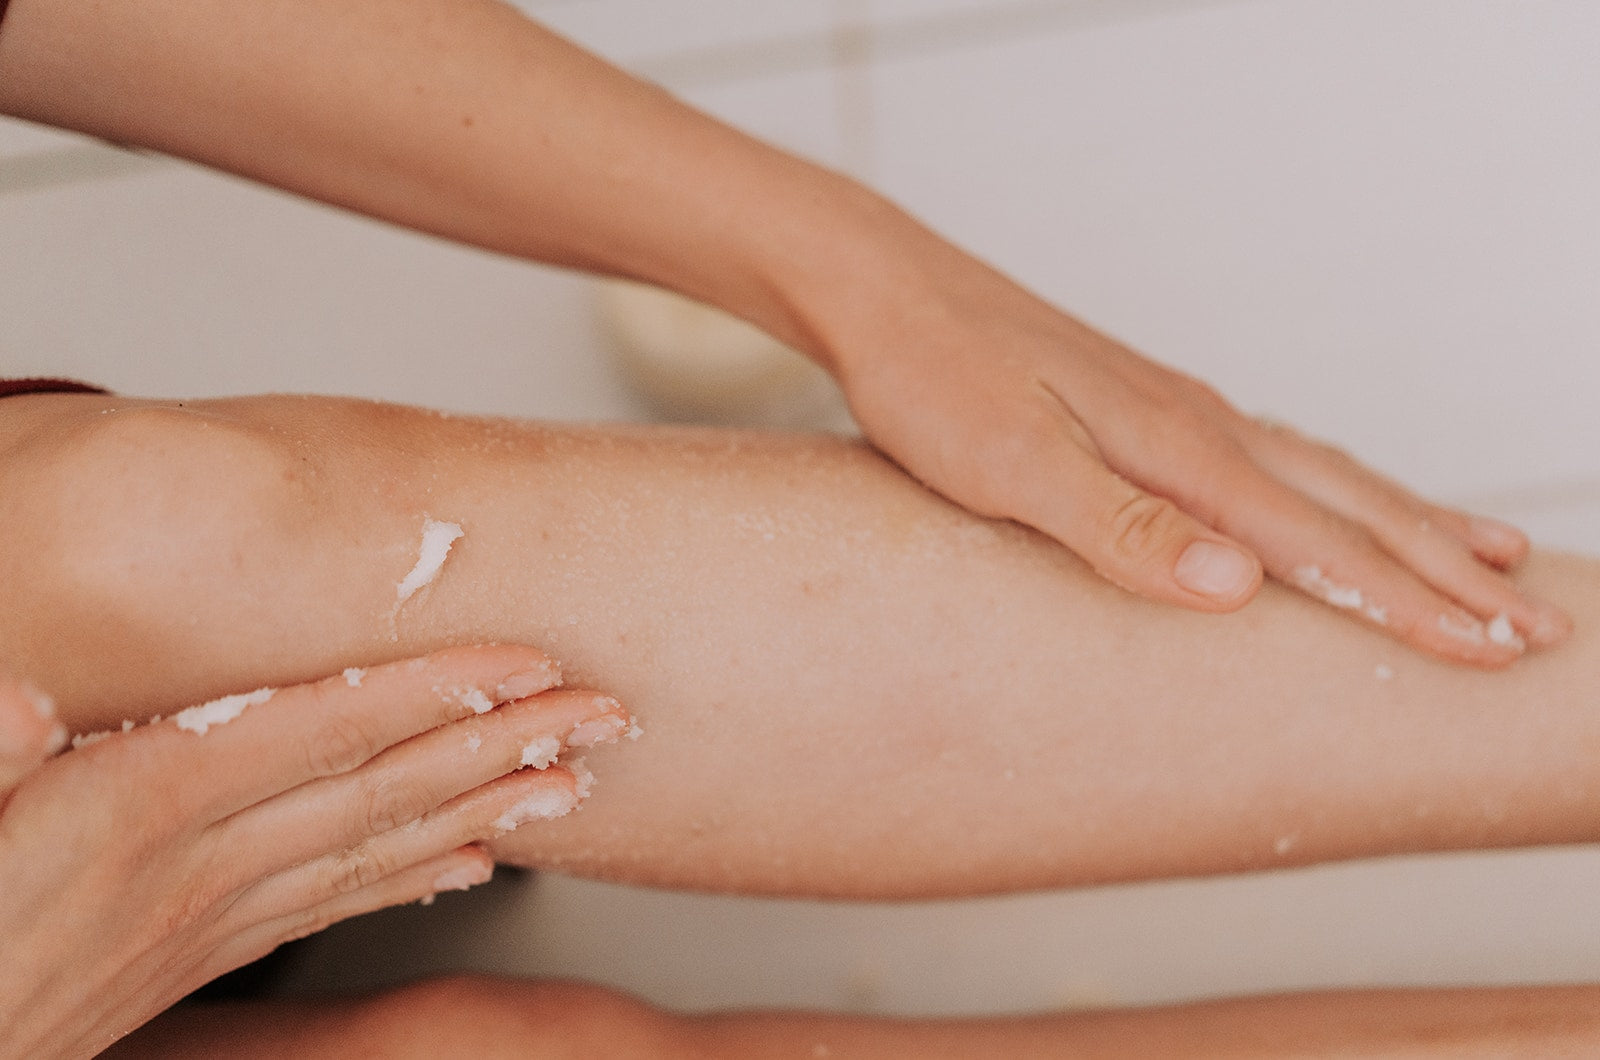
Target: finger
458 870
491 810
333 726
1330 558
29 732
414 778
1434 542
1139 541
1296 459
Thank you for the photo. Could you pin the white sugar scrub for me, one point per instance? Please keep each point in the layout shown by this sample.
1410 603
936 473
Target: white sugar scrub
475 698
584 778
1345 597
353 676
437 538
634 732
1383 672
1502 633
221 711
89 739
474 742
598 730
541 752
1284 844
541 805
462 878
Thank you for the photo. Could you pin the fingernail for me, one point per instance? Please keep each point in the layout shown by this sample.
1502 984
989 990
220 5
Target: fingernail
1502 536
43 705
463 877
605 729
1551 627
1217 571
538 678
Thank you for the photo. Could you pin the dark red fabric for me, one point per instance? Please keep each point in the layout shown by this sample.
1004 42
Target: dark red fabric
9 387
3 4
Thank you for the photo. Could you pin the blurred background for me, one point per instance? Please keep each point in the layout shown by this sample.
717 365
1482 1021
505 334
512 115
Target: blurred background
1375 219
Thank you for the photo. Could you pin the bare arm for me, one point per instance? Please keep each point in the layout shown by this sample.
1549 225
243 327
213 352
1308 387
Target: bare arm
463 118
906 700
495 1019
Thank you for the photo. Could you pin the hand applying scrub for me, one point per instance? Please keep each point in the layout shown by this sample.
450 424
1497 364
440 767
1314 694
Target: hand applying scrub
465 119
1016 410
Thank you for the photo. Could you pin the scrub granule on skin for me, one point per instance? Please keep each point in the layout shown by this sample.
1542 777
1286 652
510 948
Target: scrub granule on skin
353 676
541 752
437 538
221 711
541 805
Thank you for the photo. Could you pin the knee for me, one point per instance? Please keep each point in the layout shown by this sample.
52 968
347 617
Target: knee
129 500
111 516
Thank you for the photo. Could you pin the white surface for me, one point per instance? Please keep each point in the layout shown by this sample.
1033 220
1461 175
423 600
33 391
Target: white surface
1375 218
18 138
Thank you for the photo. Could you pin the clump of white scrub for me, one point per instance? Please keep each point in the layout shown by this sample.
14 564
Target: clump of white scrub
353 676
1345 597
437 537
541 805
474 742
1501 633
1383 672
475 698
541 752
221 711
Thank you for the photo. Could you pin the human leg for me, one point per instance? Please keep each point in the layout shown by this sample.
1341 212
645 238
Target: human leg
906 700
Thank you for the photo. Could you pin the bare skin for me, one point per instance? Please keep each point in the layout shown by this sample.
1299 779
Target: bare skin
499 1019
953 706
463 118
142 866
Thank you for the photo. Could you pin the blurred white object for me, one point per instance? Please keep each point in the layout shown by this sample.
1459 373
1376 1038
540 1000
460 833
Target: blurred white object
699 364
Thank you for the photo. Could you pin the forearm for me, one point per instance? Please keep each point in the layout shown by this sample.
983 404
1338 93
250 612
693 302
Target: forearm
491 1019
457 117
847 686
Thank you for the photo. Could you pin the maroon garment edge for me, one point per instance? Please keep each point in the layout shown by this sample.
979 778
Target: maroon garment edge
12 387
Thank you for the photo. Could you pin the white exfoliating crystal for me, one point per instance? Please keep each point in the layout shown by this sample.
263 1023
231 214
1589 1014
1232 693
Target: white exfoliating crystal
437 537
541 752
353 676
474 742
545 805
1345 597
583 776
221 711
1384 672
476 699
1502 633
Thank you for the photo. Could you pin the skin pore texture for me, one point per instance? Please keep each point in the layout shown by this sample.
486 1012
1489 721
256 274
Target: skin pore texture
846 685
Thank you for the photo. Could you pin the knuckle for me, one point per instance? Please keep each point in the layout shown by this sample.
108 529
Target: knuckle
355 868
1140 528
389 804
343 742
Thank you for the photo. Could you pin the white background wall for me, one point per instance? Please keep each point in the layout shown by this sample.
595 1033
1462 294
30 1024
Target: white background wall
1372 218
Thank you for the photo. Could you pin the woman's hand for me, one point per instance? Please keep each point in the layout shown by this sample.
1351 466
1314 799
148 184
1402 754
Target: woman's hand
140 866
1015 410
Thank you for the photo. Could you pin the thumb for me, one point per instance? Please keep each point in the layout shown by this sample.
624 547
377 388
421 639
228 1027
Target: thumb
1141 542
29 732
